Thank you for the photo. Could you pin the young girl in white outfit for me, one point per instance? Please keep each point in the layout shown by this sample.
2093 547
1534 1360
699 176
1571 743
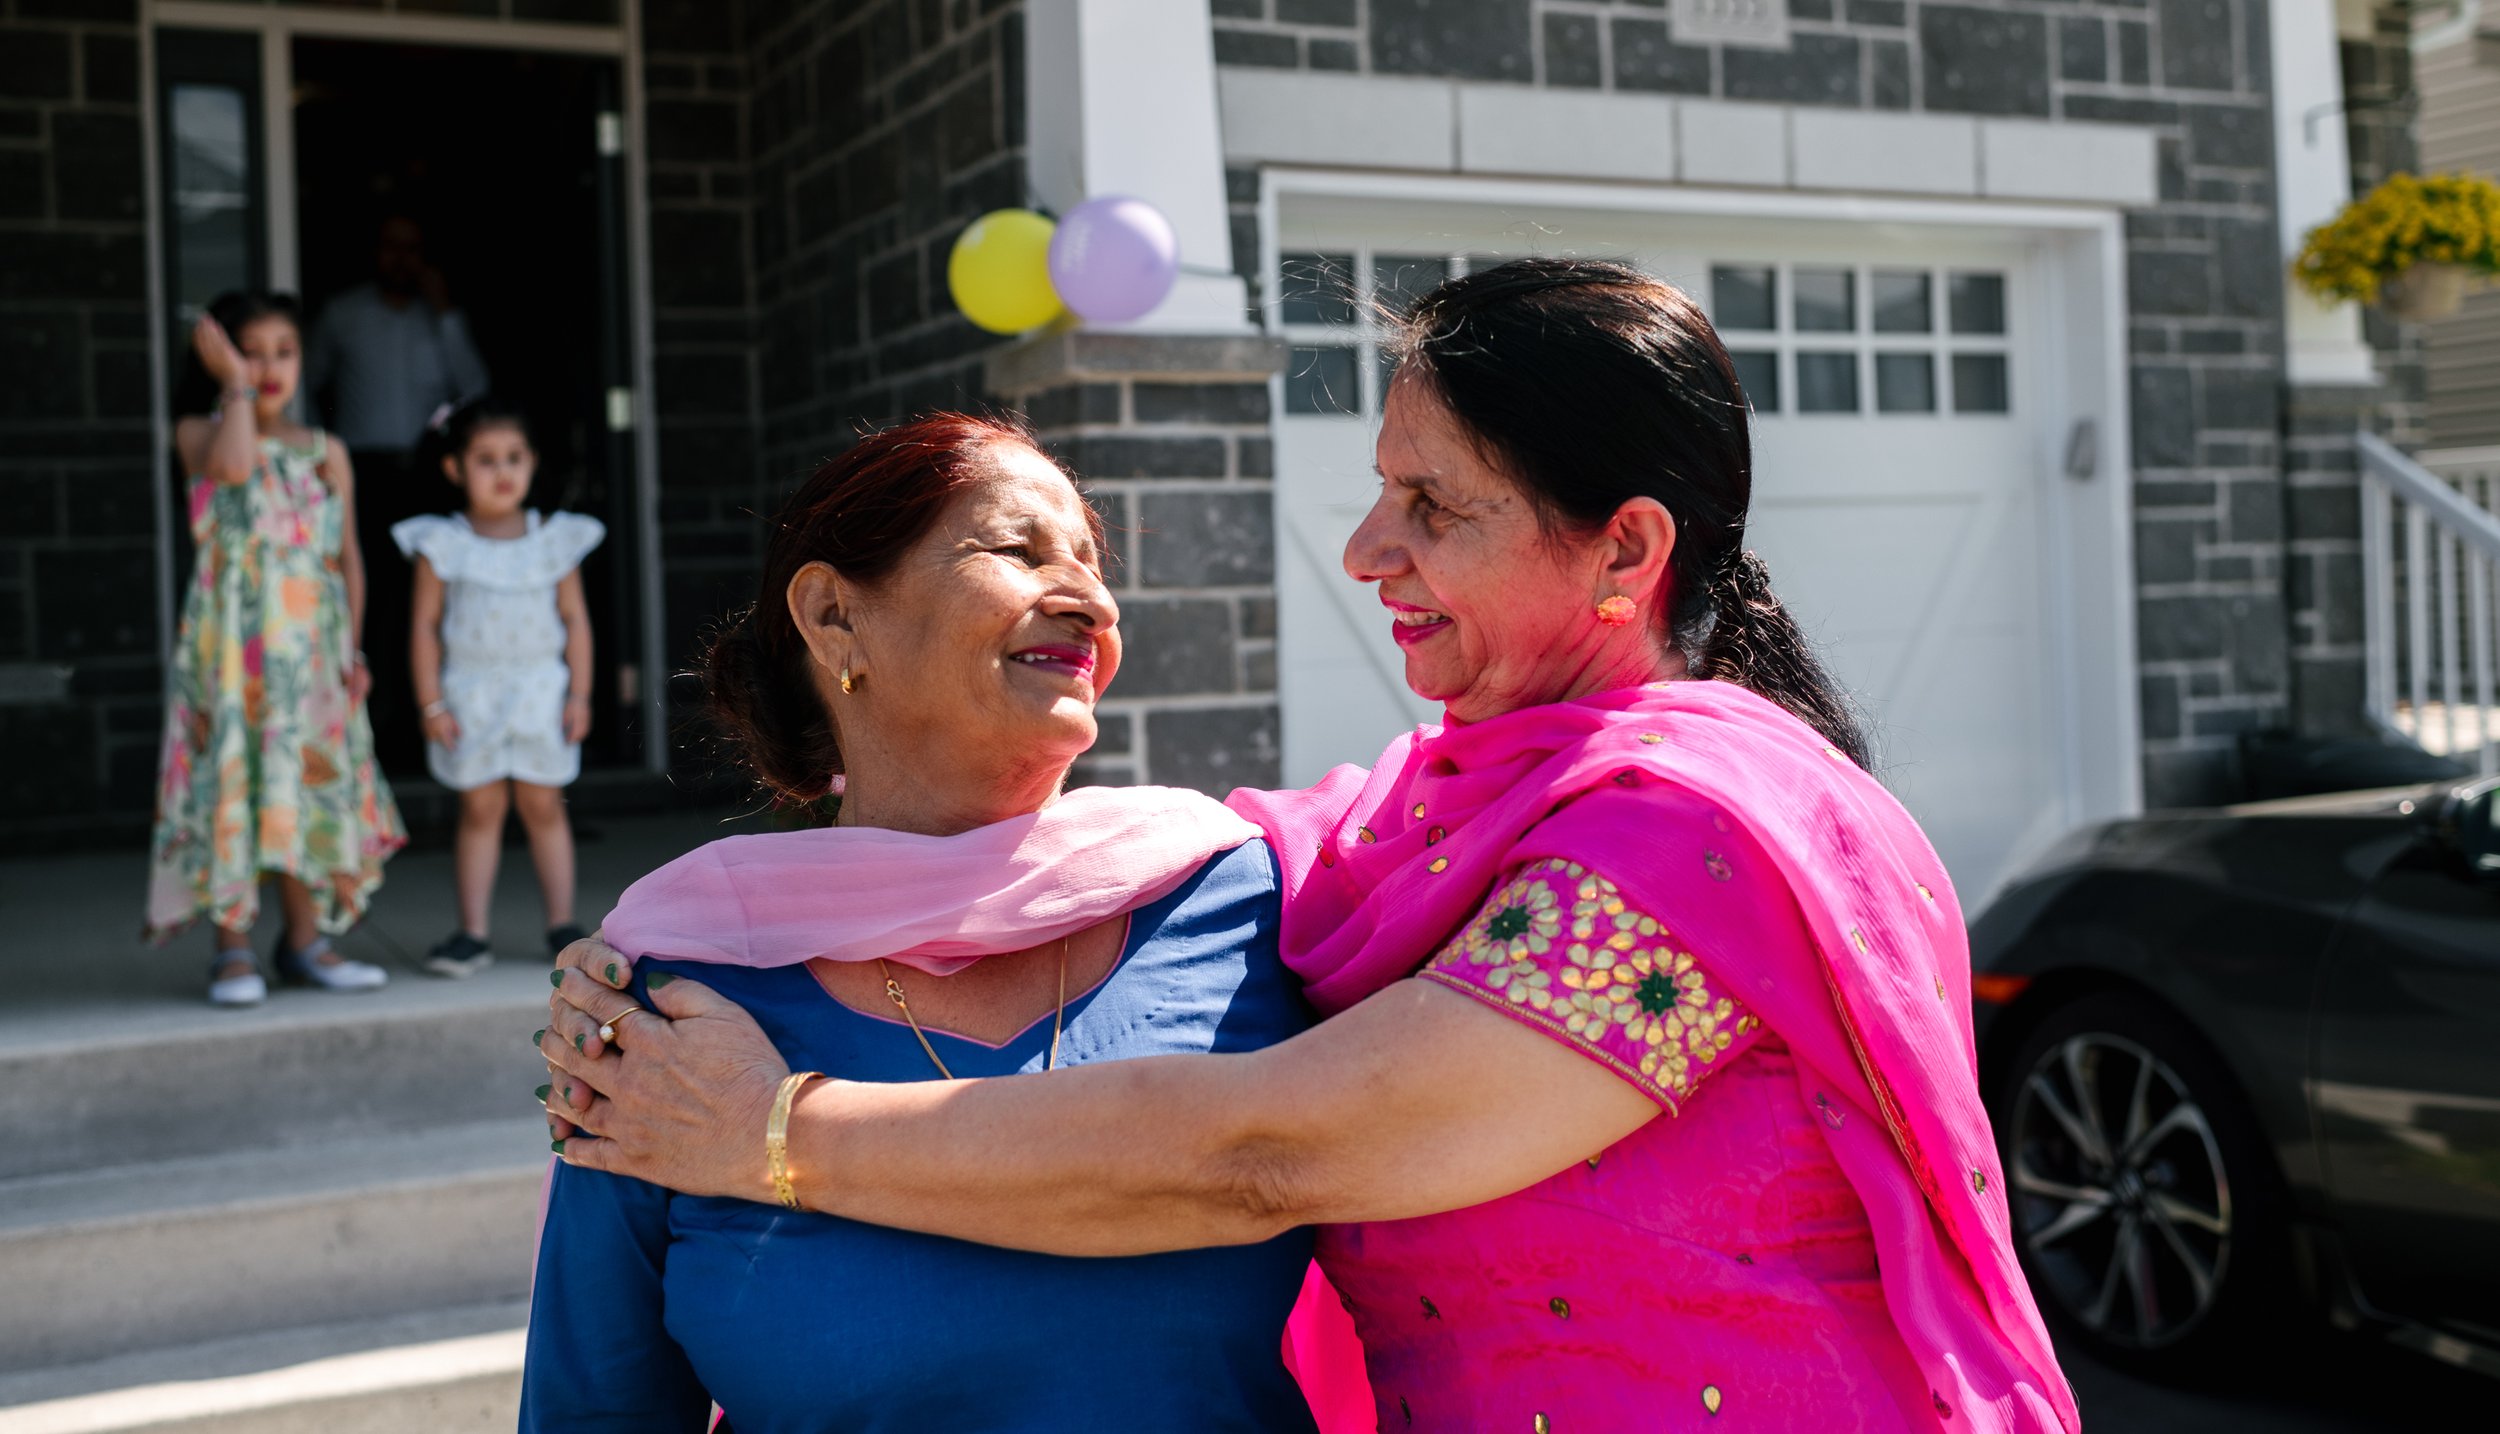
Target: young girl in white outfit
500 653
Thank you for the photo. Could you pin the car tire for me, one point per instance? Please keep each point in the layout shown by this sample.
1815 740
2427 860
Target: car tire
2147 1213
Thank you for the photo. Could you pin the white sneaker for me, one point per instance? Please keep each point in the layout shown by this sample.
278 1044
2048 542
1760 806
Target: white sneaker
306 968
247 989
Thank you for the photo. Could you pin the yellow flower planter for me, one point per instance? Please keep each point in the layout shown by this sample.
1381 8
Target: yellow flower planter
2413 245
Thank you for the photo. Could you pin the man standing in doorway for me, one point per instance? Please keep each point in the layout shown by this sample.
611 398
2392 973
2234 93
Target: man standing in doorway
384 357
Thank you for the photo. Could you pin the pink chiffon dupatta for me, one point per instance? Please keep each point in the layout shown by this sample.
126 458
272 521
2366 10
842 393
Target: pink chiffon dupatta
1382 866
934 903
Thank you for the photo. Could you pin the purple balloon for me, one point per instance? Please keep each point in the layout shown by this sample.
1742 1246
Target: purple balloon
1113 258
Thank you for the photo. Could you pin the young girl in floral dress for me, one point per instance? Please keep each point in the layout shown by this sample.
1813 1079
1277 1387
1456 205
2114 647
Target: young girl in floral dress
500 652
268 761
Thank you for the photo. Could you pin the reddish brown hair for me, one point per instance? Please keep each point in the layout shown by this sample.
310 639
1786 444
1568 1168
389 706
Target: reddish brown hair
858 513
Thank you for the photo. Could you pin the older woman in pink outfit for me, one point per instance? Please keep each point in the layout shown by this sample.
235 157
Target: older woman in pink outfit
1646 1097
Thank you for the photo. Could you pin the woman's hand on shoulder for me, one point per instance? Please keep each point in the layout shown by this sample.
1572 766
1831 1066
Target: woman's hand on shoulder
679 1098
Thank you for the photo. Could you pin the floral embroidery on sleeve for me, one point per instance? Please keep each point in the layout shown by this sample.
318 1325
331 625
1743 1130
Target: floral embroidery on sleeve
1558 947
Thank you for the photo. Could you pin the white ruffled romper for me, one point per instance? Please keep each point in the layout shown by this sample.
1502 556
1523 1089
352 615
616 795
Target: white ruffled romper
504 677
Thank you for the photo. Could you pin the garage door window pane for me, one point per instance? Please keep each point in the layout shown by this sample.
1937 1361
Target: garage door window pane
1319 288
1905 383
1321 380
1759 375
1827 302
1398 280
1978 303
1979 383
1901 302
1744 299
1827 383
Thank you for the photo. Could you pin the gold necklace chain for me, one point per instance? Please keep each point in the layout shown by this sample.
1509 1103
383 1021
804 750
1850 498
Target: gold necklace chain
1058 1017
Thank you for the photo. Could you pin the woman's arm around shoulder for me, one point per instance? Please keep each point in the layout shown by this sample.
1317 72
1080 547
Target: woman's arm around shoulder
1423 1098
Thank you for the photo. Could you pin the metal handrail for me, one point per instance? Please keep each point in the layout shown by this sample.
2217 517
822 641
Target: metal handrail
2444 578
2436 459
2417 484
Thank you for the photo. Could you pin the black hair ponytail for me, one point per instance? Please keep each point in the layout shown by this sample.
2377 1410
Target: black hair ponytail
447 434
1592 384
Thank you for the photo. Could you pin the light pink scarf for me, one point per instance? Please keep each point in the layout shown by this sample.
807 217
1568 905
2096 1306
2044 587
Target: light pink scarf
934 903
1381 866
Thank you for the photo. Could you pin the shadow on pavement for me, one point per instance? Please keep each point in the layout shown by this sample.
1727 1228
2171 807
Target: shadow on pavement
2320 1383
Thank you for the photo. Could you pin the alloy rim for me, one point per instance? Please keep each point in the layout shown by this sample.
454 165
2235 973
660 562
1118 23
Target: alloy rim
2120 1197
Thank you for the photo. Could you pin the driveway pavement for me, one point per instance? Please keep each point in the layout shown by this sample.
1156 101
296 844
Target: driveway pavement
2328 1384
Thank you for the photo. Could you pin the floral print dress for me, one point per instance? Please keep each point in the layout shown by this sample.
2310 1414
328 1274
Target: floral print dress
267 766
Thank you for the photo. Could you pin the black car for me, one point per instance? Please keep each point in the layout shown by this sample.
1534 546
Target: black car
2244 1062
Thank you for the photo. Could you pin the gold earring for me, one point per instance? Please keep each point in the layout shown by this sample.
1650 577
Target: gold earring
846 679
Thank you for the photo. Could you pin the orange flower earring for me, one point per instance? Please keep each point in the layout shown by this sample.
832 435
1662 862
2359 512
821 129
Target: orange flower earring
1617 610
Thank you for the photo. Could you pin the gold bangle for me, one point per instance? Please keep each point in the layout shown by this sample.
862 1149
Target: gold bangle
777 1137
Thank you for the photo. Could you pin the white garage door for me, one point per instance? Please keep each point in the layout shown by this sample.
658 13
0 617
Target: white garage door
1898 485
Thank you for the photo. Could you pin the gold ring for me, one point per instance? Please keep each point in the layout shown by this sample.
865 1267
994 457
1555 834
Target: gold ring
607 1028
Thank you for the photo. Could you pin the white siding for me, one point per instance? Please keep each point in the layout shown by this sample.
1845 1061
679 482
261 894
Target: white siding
2460 129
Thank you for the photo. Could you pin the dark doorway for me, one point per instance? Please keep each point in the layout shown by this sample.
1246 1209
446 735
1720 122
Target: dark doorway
507 162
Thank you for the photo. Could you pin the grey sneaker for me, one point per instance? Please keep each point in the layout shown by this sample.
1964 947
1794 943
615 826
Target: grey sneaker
459 955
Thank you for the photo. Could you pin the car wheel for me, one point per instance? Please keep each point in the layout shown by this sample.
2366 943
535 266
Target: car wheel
2145 1210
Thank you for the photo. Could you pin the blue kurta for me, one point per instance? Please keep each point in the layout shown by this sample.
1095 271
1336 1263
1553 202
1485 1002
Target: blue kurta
650 1305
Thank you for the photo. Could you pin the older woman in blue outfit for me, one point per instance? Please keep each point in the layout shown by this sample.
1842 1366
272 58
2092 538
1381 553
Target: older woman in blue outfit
933 624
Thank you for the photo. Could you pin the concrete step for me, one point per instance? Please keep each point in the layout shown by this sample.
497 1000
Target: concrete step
155 1083
449 1371
115 1261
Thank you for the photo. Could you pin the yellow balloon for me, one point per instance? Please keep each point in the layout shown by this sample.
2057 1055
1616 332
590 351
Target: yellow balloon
999 272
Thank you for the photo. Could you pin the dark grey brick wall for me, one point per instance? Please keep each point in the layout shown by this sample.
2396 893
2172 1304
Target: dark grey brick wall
879 131
873 133
80 679
2204 289
1173 436
696 108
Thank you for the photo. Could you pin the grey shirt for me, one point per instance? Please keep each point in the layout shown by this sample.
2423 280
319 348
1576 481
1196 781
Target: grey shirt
382 371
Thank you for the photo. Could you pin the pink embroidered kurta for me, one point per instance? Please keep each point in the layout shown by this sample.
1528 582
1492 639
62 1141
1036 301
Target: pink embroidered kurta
1753 1252
1813 1235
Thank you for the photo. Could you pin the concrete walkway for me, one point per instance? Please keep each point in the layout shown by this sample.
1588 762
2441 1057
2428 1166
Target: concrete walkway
316 1214
75 970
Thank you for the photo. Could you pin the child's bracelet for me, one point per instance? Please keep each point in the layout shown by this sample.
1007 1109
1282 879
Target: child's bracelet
435 708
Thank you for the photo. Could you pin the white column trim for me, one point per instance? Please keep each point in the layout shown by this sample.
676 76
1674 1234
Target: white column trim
1121 99
2313 177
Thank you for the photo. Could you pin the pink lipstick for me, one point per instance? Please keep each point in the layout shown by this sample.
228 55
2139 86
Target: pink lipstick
1063 658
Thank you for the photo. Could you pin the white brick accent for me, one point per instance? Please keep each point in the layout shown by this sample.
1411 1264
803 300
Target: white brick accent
1901 154
1728 143
1286 117
1396 123
1518 129
2096 163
